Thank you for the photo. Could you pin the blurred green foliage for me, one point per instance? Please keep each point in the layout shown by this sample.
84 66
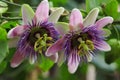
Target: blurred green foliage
11 17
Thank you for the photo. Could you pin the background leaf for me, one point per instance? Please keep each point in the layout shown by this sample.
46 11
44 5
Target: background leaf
111 9
45 63
114 54
3 66
3 7
8 25
3 44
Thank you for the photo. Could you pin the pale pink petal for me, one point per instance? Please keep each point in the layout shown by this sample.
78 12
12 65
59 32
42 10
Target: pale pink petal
17 59
57 46
16 31
27 14
73 61
42 11
12 43
54 57
102 45
76 19
103 22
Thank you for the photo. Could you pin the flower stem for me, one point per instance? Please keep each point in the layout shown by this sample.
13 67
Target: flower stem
118 35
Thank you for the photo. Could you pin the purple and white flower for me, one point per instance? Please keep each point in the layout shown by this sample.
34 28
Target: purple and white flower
36 34
82 39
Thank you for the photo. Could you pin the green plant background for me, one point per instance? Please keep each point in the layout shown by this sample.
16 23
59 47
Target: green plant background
106 65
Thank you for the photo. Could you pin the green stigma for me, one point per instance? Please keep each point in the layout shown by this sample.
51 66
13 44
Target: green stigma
41 43
85 46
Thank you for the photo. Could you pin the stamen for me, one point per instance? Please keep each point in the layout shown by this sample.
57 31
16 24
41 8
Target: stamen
41 44
90 44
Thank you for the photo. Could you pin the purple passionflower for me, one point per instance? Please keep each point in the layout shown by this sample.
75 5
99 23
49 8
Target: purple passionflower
36 34
82 39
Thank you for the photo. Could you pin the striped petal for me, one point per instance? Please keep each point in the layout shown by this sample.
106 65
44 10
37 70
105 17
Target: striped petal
91 17
57 46
102 45
42 11
73 61
16 31
27 14
17 59
76 19
53 18
103 22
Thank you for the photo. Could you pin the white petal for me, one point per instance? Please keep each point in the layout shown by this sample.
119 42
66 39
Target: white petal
56 15
27 14
62 27
91 17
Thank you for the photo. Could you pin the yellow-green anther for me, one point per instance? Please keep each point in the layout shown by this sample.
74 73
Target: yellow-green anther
85 47
90 44
41 43
45 37
49 38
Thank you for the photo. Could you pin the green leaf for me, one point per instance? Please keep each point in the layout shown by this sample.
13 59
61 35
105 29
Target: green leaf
3 34
3 7
8 25
107 32
91 4
3 44
3 50
58 2
111 9
3 65
45 63
114 54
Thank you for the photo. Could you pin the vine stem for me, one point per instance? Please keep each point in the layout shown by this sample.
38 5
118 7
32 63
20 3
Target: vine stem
19 5
118 35
12 3
10 18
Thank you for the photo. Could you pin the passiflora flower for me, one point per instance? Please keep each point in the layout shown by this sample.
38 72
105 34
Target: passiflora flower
81 39
36 34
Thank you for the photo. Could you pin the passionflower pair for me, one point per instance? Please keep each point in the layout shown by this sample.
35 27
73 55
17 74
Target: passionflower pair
81 39
77 40
36 34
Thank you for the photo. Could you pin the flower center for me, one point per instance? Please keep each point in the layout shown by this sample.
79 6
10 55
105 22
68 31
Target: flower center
35 33
40 39
42 43
82 42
